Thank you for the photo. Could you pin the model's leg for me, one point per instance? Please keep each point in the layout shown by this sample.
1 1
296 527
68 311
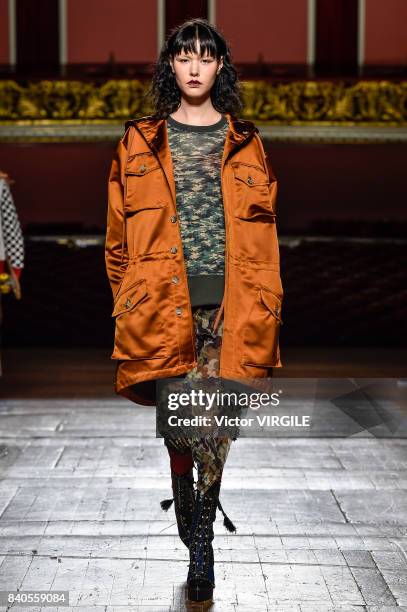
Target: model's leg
181 464
209 455
182 482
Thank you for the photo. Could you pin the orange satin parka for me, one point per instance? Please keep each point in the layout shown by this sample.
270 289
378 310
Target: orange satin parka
154 330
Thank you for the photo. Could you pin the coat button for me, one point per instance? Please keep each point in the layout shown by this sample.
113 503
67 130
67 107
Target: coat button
175 279
127 303
173 218
173 249
142 168
250 180
178 310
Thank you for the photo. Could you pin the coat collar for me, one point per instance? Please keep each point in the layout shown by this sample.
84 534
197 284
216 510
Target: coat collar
155 133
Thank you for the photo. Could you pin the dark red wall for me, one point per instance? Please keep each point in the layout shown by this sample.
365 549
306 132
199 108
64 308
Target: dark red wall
386 40
97 28
274 29
68 182
4 52
59 182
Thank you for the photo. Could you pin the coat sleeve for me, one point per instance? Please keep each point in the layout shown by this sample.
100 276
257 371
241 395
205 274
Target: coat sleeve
277 283
116 252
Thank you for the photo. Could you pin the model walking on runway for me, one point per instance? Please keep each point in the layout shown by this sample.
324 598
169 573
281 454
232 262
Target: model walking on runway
193 261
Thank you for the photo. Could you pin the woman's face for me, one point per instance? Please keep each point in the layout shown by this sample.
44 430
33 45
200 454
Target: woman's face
192 67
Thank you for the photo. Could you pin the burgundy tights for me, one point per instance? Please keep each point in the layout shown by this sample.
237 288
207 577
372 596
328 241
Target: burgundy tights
180 463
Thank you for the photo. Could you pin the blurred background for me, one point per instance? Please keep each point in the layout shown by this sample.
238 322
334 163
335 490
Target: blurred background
325 82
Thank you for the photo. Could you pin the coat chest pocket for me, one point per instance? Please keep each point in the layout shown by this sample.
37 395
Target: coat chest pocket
139 329
262 330
253 217
144 183
252 189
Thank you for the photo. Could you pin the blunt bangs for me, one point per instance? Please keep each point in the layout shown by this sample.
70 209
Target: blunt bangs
185 41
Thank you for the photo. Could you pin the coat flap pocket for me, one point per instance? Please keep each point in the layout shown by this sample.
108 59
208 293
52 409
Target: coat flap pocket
129 297
141 163
250 174
272 301
256 211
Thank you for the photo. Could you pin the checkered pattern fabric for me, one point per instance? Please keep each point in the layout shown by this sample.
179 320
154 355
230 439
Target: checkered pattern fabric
11 236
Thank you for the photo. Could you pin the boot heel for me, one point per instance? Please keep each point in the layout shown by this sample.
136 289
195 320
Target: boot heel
200 590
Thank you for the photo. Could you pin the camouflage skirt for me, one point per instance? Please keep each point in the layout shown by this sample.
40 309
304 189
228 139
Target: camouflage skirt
209 452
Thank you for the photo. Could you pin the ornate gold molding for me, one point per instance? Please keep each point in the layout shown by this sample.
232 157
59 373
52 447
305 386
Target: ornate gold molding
365 103
327 103
298 111
58 101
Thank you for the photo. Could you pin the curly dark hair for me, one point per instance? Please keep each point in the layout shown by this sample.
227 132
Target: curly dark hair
226 91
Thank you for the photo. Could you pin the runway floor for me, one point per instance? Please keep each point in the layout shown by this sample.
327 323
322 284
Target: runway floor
321 521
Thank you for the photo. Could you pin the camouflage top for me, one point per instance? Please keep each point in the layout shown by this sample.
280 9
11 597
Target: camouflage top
196 152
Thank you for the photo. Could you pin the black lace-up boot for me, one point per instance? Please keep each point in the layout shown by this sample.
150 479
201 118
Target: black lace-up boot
184 498
201 576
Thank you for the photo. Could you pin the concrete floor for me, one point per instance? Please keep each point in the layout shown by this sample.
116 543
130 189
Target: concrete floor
321 521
